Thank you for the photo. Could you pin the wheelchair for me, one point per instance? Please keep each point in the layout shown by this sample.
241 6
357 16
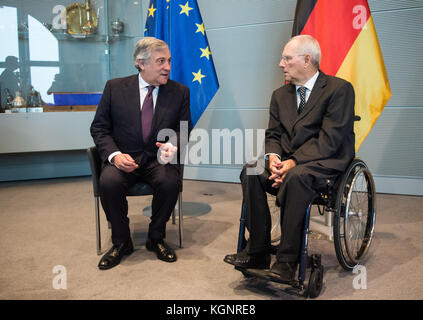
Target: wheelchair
350 199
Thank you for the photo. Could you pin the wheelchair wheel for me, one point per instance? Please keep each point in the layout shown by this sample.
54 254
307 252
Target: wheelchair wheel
355 215
315 283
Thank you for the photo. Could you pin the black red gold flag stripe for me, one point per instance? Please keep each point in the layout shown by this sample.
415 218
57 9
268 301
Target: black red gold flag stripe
350 50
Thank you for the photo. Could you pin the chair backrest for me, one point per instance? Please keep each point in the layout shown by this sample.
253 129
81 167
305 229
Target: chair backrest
95 165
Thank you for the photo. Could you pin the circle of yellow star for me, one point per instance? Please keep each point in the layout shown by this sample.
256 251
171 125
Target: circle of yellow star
185 9
151 11
205 53
200 28
198 76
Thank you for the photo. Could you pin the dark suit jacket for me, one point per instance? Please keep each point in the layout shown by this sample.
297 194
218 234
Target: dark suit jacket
323 133
117 122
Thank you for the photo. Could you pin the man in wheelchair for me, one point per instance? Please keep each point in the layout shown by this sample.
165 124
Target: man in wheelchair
309 139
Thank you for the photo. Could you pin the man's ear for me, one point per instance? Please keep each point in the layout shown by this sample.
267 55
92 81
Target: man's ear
141 64
307 59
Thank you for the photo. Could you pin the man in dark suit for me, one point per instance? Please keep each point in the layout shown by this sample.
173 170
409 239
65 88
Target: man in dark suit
309 139
132 113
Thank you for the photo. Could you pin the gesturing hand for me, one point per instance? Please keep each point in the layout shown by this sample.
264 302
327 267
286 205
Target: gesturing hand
167 152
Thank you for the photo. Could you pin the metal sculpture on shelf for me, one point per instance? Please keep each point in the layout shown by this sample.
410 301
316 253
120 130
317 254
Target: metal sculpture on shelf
34 102
9 100
19 103
117 27
81 19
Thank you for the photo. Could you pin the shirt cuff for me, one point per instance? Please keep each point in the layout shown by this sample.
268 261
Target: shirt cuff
110 158
266 156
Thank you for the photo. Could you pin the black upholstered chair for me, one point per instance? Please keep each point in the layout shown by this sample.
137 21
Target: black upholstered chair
139 189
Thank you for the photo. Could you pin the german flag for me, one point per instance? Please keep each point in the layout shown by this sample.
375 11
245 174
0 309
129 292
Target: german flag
350 50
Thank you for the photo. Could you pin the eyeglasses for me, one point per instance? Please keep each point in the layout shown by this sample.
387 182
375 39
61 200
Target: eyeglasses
289 58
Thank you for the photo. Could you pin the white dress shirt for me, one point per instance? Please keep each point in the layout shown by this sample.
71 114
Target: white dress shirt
309 87
144 90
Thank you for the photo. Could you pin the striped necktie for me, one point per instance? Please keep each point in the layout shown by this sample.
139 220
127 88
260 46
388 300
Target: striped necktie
302 92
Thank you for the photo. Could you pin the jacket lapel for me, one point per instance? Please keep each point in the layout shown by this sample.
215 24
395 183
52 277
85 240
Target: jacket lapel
131 94
161 108
289 109
314 96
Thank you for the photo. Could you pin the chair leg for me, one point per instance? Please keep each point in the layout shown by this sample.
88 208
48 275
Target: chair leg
173 216
181 218
97 224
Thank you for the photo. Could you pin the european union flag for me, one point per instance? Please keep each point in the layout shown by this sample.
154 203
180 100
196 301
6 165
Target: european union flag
179 24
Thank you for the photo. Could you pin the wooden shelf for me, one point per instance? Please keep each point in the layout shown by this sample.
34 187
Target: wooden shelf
69 108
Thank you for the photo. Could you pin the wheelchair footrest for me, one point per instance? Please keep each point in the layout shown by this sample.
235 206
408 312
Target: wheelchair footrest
266 275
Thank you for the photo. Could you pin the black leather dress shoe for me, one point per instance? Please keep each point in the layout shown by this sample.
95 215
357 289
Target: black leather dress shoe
115 254
247 261
285 271
162 249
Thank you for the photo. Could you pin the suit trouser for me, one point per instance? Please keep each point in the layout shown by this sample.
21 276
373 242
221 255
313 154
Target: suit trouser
165 181
294 195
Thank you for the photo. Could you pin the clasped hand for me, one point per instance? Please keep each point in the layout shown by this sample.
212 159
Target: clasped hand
279 169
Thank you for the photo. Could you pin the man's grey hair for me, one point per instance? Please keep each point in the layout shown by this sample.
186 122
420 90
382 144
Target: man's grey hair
145 46
309 45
